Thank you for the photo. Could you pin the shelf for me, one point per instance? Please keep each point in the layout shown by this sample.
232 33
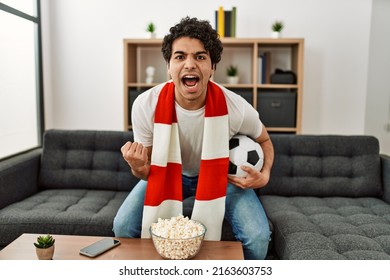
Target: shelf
281 129
250 86
285 54
142 85
277 86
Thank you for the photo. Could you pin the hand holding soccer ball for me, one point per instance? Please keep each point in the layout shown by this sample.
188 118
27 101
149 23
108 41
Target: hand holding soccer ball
244 151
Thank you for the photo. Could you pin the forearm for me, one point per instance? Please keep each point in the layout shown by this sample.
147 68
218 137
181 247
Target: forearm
142 172
268 150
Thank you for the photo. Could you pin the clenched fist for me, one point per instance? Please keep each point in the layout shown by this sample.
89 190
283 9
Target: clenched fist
137 156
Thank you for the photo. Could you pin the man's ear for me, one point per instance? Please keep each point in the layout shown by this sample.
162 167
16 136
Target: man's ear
214 67
168 66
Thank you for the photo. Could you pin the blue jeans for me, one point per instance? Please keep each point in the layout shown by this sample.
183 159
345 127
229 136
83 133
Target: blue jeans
243 211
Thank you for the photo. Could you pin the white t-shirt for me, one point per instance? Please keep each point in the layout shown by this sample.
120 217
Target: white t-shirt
243 119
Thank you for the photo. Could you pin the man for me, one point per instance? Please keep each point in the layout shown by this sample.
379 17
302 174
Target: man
180 149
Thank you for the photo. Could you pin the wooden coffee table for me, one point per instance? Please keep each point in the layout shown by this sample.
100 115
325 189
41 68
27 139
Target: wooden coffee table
67 248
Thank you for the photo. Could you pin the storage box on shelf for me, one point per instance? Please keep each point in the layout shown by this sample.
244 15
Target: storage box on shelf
277 108
256 59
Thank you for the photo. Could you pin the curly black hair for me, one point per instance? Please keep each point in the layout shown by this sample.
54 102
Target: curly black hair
197 29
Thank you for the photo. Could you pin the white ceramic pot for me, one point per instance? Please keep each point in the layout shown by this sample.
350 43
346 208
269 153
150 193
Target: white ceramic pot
232 80
276 34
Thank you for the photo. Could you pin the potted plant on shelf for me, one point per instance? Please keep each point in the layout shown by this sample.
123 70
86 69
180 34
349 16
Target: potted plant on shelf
232 74
277 28
45 247
151 29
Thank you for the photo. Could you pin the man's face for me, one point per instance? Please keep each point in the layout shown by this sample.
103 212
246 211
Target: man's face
190 68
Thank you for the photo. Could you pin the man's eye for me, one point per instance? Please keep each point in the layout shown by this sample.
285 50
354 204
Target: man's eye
179 57
201 57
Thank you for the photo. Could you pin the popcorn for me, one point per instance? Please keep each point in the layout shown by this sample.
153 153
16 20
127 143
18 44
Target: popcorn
177 237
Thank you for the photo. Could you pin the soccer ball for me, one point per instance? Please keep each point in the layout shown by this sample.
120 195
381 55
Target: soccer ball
244 151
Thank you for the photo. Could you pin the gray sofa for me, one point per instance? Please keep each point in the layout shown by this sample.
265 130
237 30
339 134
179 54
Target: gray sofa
74 185
328 197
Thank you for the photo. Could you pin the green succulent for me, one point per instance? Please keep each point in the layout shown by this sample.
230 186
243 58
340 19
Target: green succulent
277 26
151 27
45 241
232 71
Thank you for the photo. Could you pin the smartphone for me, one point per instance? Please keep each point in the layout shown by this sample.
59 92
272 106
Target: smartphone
99 247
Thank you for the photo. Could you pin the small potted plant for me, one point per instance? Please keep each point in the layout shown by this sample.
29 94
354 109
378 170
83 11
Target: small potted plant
277 28
232 74
151 29
45 247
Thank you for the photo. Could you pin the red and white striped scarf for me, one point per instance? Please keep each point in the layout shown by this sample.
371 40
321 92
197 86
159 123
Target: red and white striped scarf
163 197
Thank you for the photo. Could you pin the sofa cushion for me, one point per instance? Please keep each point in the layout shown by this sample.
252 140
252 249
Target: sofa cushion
85 159
325 165
60 211
329 228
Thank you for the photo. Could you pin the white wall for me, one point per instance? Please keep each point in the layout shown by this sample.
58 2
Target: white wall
377 120
84 78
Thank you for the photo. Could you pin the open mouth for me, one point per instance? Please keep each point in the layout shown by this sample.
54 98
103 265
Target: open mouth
190 80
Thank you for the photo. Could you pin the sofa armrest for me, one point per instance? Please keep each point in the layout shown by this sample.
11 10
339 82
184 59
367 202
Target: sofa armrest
19 177
385 166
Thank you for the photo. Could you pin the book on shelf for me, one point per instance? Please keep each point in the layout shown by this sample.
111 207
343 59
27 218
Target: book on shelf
228 23
267 60
260 69
264 68
233 22
225 22
221 22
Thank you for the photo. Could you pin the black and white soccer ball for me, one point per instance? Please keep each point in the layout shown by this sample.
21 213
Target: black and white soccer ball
244 151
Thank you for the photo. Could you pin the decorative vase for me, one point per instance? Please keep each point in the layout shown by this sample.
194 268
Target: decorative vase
232 80
45 253
149 74
152 35
276 34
